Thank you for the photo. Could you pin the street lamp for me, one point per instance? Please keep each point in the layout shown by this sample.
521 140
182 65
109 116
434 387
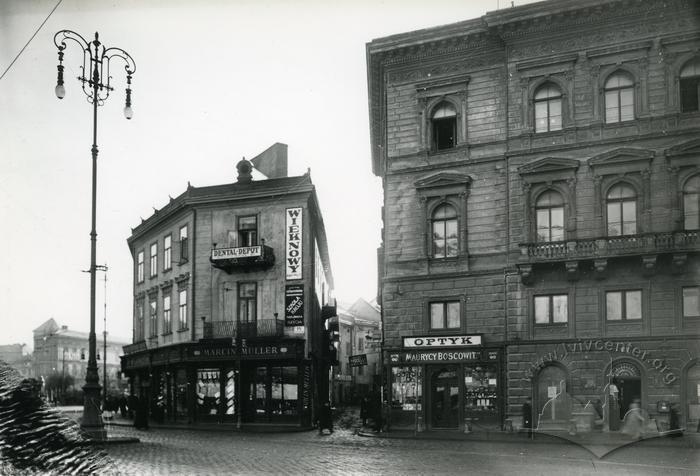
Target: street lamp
96 61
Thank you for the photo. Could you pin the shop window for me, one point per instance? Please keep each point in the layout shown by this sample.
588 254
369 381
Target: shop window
549 212
140 266
691 301
184 242
548 108
406 396
444 230
153 317
167 252
248 231
208 391
167 322
481 394
619 98
260 391
690 86
444 126
691 204
551 309
444 315
154 260
623 305
621 210
284 391
360 343
182 310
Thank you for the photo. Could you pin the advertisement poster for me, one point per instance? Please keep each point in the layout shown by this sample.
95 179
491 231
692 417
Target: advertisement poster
294 305
293 243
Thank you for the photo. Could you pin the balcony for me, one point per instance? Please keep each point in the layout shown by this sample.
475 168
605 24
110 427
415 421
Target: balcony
599 250
244 330
242 258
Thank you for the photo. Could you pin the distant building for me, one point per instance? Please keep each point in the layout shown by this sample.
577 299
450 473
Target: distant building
13 355
61 351
541 173
229 285
359 355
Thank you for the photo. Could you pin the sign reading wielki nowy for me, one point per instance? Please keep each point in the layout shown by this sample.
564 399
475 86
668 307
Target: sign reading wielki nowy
293 243
294 305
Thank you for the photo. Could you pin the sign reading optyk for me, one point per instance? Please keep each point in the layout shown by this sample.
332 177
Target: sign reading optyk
439 341
293 243
294 305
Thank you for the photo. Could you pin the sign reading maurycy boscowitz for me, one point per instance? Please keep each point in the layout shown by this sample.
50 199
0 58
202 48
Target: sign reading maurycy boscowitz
357 360
294 305
232 253
441 341
293 243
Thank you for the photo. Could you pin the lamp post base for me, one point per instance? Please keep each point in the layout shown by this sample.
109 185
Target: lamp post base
91 423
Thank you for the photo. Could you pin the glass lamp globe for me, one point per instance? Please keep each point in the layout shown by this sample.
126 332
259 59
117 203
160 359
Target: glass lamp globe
128 112
60 91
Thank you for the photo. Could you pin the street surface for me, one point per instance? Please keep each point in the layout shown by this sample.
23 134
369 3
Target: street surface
193 452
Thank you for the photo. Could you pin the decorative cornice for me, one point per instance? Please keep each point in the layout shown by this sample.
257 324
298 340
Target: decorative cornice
549 164
620 48
182 278
622 155
548 61
443 179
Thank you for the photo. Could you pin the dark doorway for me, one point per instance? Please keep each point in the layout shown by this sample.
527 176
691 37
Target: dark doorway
444 398
630 389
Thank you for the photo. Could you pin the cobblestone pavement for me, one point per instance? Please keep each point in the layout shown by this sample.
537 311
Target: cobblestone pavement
188 452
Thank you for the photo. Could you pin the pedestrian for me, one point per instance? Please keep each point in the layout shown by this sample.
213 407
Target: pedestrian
122 406
634 420
527 416
364 409
325 418
376 406
132 403
141 416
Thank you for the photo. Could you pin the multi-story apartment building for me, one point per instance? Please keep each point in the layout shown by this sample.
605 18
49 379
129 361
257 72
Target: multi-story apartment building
359 356
541 174
59 350
229 283
13 354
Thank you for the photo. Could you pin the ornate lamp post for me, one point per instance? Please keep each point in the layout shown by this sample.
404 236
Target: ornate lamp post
96 78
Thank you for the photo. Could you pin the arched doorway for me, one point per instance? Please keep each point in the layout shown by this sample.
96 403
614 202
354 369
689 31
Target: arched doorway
444 397
627 378
552 402
692 398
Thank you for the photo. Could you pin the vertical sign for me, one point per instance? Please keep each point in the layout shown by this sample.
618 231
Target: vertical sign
294 305
293 241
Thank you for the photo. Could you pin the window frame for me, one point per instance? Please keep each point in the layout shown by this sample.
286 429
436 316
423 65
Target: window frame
550 313
684 194
445 303
549 209
140 327
153 316
167 314
547 100
247 300
451 121
452 218
182 309
618 90
184 244
141 266
623 305
607 201
168 252
153 260
244 234
689 79
682 304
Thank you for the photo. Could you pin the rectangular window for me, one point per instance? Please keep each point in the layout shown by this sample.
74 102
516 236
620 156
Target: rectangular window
248 231
139 333
691 301
360 343
167 323
184 249
444 315
689 94
691 211
140 267
552 309
247 302
182 315
167 252
154 259
153 318
360 370
623 305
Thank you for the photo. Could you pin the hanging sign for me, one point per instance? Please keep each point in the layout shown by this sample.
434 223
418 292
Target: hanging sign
293 243
357 360
294 305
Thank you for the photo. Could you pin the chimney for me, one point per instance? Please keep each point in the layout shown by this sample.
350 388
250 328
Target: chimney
273 161
244 168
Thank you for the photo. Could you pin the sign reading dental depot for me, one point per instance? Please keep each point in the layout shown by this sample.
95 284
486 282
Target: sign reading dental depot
293 243
430 342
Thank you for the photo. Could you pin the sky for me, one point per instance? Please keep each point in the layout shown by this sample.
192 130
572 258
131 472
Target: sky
215 81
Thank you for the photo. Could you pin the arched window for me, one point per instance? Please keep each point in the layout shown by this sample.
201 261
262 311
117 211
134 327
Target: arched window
619 98
444 126
547 108
690 86
445 235
691 204
622 210
549 210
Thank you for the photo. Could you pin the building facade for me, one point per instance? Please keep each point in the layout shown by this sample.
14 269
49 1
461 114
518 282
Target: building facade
541 174
13 354
359 356
62 352
229 284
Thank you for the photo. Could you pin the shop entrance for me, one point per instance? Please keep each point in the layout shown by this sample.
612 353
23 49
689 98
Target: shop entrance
629 389
444 397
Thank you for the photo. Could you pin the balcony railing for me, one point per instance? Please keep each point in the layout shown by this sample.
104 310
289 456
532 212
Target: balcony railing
246 257
592 248
245 330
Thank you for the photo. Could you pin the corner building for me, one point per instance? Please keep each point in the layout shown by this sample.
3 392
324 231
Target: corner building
229 282
541 174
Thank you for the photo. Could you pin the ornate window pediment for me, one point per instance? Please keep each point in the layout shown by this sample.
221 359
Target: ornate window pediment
443 180
549 168
621 160
683 155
